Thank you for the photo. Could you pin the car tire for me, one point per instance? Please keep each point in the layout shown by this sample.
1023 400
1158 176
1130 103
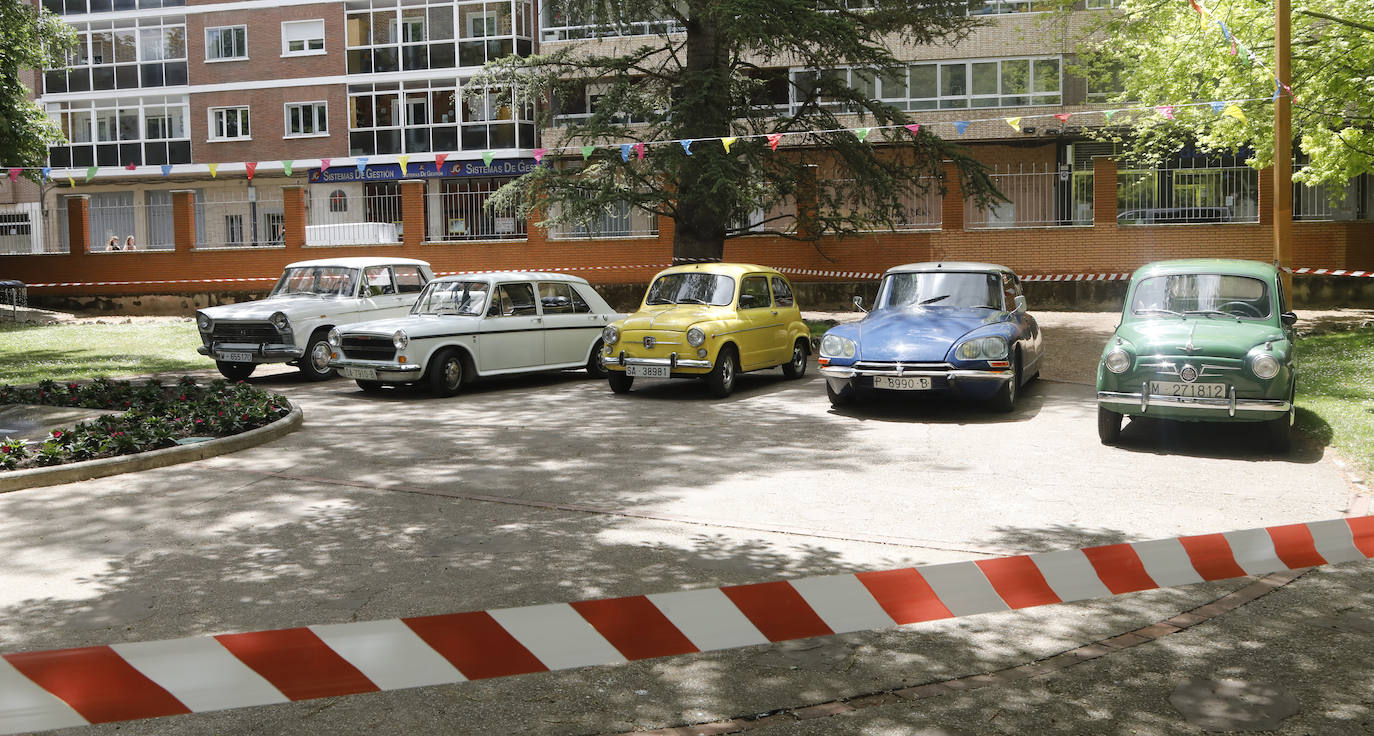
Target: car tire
839 398
1108 426
1280 431
596 361
314 364
369 387
235 371
720 382
446 373
796 367
620 382
1005 400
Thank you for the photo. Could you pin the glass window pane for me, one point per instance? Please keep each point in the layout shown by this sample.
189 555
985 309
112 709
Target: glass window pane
1015 76
953 80
985 78
922 80
1046 75
864 82
126 46
174 42
441 22
893 86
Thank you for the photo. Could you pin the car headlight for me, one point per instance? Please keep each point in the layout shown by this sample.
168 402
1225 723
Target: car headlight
204 323
280 322
1264 365
695 337
400 339
1118 360
610 335
834 346
983 348
334 338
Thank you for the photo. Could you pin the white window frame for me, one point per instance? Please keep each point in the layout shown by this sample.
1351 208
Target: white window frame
244 123
492 17
209 44
303 31
319 110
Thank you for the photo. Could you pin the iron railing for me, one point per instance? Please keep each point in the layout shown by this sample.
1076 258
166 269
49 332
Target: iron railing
1187 195
458 211
1038 196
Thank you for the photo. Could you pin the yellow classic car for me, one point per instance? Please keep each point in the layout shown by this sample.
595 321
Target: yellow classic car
709 320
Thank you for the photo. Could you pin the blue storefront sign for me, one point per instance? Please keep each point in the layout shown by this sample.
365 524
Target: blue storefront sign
426 170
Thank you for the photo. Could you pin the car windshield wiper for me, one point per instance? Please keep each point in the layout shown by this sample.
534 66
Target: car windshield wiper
690 300
1209 312
657 301
1157 310
932 300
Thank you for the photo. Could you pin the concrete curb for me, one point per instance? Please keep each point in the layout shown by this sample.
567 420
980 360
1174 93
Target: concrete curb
72 472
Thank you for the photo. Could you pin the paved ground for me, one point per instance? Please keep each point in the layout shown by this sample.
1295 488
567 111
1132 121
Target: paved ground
354 518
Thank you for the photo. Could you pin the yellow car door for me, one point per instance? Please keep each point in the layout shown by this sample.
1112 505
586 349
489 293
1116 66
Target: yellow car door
757 323
788 315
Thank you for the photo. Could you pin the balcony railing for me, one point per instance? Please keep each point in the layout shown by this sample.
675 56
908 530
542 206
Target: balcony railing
1039 197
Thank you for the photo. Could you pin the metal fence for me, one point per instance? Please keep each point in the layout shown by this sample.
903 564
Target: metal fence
240 218
354 214
1352 201
919 209
458 211
620 220
1036 197
21 229
1187 196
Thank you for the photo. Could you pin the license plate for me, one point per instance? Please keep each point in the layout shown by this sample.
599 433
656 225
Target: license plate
902 383
365 374
647 371
1188 390
235 357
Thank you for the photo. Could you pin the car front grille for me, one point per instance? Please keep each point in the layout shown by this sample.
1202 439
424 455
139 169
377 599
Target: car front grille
365 347
255 333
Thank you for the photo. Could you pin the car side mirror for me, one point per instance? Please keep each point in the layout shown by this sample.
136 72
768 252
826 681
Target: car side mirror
859 303
1018 304
1289 318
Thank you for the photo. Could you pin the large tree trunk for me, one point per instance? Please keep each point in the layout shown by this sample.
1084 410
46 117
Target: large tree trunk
702 218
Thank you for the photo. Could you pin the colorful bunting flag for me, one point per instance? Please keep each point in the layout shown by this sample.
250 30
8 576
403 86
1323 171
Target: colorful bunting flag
961 126
131 167
1166 110
167 169
539 154
90 173
47 173
1015 123
1107 115
439 159
214 170
252 168
687 146
1217 106
639 151
324 164
286 167
727 142
773 140
403 161
587 152
1063 117
625 152
70 180
361 164
14 175
487 156
914 128
1234 111
861 134
1278 90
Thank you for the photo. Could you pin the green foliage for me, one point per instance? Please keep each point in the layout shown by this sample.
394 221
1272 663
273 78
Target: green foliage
154 416
1163 53
30 39
720 79
1335 384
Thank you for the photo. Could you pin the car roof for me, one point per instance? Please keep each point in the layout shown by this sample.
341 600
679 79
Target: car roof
1234 266
513 276
358 262
726 269
949 266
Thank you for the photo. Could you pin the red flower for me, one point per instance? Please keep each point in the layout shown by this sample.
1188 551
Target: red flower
5 448
245 417
71 386
56 433
200 421
183 397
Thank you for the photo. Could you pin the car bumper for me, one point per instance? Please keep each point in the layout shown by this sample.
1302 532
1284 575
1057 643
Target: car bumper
262 353
385 370
1187 407
692 366
969 382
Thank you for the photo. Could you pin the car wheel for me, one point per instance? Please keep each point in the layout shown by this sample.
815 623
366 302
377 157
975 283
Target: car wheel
620 382
796 368
446 373
235 371
369 387
721 380
1108 426
314 364
596 362
839 398
1005 400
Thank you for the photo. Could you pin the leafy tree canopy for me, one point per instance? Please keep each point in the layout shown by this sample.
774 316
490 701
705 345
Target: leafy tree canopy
30 39
1163 51
718 68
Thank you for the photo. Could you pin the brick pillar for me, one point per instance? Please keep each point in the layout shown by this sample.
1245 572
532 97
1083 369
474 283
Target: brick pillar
184 220
293 216
1104 191
952 201
79 224
806 203
413 212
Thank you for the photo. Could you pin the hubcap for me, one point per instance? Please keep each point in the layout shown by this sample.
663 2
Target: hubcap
453 372
798 357
727 372
319 357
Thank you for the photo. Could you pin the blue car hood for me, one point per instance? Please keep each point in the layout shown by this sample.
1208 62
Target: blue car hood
919 334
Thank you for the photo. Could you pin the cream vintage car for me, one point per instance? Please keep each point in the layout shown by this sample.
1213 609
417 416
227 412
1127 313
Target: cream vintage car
310 298
463 327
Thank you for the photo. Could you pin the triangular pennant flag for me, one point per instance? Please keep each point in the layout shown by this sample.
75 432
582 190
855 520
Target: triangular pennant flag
214 170
539 154
1217 106
727 142
252 168
90 173
1197 9
1278 90
70 180
587 152
14 174
324 164
403 161
487 156
286 167
861 134
1234 111
1166 110
361 164
1015 123
773 141
961 126
624 152
167 169
687 146
47 173
439 159
1063 117
131 167
1107 114
914 128
639 151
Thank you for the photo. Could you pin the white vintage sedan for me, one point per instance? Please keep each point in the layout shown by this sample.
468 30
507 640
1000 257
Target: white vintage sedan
467 326
310 299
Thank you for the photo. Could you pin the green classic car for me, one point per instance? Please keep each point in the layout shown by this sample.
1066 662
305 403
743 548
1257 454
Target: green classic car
1201 340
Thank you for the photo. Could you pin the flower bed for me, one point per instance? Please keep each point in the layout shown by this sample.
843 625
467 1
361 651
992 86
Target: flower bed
154 416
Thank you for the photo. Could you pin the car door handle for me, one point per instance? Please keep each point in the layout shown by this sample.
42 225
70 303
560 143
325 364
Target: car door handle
775 314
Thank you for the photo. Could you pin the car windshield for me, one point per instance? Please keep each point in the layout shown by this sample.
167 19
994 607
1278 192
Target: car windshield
941 289
317 280
692 288
468 298
1204 294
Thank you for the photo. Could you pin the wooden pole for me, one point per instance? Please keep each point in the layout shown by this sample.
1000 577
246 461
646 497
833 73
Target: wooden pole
1283 144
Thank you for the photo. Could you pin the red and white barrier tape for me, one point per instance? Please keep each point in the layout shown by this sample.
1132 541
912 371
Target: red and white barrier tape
1329 272
74 687
142 283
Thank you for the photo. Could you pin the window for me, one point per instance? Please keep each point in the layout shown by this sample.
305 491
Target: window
306 119
560 298
513 300
338 201
228 42
233 229
753 293
302 37
229 123
377 281
1100 4
782 292
409 279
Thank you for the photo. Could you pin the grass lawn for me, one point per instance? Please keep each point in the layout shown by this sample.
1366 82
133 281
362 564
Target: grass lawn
1335 385
30 353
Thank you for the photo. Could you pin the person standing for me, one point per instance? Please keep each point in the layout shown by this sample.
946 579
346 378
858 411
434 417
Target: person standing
129 243
113 244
